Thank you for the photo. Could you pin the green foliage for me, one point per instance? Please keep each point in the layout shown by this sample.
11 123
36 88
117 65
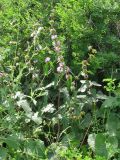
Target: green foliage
94 23
59 80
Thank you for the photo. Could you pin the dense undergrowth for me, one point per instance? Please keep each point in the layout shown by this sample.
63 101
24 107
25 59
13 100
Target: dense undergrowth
59 79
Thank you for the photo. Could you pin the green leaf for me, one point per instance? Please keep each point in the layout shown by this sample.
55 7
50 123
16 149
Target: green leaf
46 69
83 88
111 102
100 145
3 153
25 105
112 124
35 148
112 146
49 108
86 121
97 144
91 141
34 117
12 142
69 81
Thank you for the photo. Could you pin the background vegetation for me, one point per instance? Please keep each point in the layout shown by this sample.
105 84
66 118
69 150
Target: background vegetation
59 79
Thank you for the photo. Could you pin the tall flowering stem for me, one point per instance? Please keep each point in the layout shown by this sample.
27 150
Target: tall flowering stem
85 63
61 68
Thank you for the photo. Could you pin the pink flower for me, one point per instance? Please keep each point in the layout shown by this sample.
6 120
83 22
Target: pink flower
61 64
53 37
57 49
59 69
47 59
2 74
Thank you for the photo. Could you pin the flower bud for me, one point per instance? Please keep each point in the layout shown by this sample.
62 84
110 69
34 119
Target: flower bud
52 31
47 59
53 37
94 51
89 48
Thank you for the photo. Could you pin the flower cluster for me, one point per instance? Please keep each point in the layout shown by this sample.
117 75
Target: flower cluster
92 50
85 63
57 45
62 68
36 32
84 72
35 37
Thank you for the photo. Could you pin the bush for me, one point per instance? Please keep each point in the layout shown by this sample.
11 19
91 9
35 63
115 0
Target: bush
59 80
